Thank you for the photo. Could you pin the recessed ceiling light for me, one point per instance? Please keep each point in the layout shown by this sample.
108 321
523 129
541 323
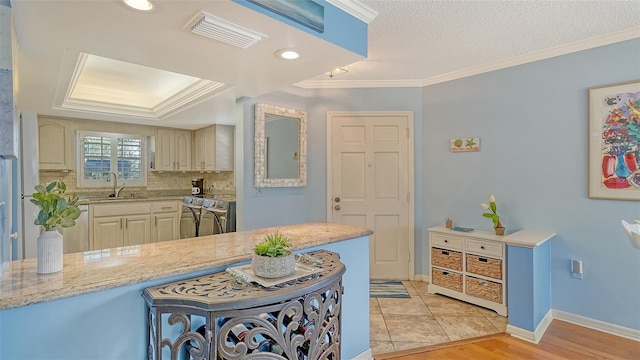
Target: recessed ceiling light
287 54
142 5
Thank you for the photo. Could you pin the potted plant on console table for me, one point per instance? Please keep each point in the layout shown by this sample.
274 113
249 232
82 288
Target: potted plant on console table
273 257
56 209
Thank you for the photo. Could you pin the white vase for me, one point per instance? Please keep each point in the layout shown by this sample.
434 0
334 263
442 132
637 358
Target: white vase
50 252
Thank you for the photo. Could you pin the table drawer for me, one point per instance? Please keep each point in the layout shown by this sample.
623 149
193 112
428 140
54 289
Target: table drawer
446 241
447 279
484 266
164 206
483 289
485 247
446 258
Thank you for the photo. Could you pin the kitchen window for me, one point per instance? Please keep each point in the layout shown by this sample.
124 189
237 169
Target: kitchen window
104 153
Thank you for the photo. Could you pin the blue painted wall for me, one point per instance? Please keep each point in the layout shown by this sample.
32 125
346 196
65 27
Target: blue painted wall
533 123
520 289
281 206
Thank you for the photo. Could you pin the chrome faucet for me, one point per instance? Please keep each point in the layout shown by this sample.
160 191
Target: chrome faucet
116 189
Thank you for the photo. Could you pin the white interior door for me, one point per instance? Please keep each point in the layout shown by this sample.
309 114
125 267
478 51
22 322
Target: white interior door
370 165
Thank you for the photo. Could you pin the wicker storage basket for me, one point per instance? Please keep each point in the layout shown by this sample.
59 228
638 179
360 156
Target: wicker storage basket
446 258
484 266
483 289
448 279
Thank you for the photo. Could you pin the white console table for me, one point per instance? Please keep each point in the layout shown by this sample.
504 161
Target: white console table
469 267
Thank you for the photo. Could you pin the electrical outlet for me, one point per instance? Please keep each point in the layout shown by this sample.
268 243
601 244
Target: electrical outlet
576 269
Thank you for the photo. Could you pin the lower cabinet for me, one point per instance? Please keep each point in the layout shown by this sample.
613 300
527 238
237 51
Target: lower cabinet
469 267
166 221
133 223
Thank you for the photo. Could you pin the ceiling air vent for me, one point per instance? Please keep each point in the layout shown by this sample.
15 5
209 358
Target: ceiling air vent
222 30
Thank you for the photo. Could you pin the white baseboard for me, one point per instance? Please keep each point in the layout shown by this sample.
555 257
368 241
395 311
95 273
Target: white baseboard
423 278
605 327
365 355
532 336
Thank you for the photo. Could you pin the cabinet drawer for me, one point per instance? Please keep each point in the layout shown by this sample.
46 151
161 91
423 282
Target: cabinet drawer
483 289
447 279
446 241
484 266
131 208
164 206
446 258
485 248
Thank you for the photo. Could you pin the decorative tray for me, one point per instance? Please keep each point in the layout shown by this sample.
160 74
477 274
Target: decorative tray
245 273
463 229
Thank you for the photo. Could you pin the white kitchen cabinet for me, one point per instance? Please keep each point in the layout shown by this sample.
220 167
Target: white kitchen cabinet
173 150
120 224
107 232
56 144
166 221
137 229
213 148
469 267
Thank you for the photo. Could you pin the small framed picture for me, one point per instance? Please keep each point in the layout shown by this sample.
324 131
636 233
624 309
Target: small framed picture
465 144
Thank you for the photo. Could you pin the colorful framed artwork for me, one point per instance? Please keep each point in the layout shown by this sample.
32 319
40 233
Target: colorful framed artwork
614 141
305 12
465 144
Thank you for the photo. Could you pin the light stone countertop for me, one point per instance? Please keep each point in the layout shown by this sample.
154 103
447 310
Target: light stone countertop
99 270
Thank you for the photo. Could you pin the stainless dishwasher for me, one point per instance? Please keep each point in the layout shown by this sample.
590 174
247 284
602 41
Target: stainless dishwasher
76 238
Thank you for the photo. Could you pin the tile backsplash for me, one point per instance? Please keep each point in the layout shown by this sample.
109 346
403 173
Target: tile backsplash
174 182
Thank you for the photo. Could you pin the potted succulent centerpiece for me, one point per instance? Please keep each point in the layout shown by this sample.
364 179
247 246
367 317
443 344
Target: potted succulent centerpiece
57 209
273 257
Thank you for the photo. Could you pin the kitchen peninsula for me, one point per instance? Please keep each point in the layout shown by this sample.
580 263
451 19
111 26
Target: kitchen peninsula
93 308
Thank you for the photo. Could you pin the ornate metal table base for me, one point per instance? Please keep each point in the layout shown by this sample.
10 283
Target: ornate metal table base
218 317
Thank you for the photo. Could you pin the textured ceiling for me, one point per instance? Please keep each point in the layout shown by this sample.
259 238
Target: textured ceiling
420 39
411 43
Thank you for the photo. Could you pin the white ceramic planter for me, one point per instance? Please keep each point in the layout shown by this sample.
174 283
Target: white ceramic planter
273 267
50 252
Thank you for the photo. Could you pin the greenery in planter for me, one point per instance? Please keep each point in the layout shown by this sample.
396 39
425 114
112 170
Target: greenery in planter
274 245
56 207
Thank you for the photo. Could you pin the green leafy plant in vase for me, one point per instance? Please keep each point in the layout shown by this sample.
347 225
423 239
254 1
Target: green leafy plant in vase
273 257
492 213
57 209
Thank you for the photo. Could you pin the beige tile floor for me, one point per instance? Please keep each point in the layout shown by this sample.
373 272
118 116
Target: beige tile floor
426 319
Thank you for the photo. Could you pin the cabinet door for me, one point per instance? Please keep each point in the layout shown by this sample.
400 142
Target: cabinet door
187 227
224 148
199 142
55 141
164 150
137 229
183 150
107 232
165 227
206 224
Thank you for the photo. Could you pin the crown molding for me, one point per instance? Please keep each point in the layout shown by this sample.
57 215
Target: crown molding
343 84
356 9
586 44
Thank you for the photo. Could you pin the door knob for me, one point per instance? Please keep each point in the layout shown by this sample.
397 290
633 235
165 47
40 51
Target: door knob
337 207
337 199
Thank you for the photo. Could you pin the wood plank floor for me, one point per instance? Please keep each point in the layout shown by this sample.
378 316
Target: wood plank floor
562 340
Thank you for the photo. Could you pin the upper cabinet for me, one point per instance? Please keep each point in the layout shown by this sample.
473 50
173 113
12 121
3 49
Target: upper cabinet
173 150
214 148
55 140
